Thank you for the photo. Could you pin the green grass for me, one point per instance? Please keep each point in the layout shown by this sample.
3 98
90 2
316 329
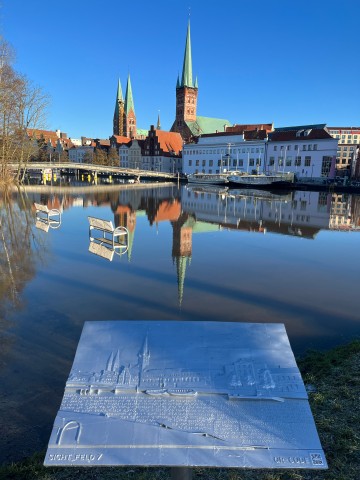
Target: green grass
335 404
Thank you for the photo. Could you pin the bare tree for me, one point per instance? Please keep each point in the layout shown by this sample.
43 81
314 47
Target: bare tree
113 158
31 113
100 157
22 106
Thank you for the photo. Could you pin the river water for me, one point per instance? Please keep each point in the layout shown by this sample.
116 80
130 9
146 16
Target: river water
203 254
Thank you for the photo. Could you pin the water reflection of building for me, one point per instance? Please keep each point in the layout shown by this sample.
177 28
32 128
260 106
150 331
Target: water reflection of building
299 213
345 212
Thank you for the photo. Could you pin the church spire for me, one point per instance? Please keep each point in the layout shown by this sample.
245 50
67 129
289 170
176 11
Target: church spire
119 96
129 102
158 126
186 79
118 119
129 112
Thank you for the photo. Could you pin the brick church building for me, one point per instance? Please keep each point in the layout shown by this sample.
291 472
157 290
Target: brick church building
187 122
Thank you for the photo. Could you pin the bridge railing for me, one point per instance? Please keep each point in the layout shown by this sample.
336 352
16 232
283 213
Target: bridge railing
97 168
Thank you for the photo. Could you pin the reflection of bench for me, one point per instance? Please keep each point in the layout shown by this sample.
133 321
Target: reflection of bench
105 251
51 216
114 237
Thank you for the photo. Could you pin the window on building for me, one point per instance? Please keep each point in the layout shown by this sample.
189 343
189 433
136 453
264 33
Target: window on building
272 161
288 161
280 161
304 147
307 161
211 163
219 163
298 162
325 166
190 163
197 163
251 162
258 162
241 162
315 146
203 163
275 148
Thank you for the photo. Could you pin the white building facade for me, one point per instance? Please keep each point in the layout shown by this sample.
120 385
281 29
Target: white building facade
219 153
76 154
130 155
308 151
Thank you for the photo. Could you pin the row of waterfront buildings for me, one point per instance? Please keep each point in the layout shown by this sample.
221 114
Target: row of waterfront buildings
213 145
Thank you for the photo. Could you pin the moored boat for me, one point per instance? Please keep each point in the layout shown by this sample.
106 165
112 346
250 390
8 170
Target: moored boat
262 179
260 194
208 178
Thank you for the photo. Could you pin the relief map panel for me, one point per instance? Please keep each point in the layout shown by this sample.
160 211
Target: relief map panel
180 393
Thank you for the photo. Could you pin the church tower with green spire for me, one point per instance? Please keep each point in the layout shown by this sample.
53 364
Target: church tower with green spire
118 121
129 115
186 93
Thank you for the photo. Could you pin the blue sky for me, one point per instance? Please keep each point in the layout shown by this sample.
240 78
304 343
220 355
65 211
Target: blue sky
281 61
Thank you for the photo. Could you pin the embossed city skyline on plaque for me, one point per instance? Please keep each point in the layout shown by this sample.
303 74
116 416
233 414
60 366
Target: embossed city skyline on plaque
184 393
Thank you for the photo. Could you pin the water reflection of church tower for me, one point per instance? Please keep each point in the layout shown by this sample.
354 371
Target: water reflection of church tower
126 217
182 249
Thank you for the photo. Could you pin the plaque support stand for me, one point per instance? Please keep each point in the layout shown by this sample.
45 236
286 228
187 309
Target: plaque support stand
181 473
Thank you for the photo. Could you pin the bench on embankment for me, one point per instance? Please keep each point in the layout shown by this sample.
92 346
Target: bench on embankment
115 237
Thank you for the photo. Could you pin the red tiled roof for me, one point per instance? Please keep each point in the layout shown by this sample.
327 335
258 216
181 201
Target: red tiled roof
314 134
66 143
170 142
342 128
248 134
101 141
268 127
255 134
121 139
46 134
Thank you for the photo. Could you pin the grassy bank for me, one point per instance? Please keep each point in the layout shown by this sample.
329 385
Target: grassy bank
335 403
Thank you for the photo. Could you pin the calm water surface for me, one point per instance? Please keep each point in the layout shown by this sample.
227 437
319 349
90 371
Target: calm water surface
192 254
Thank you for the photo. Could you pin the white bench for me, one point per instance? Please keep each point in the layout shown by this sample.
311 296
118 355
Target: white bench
116 237
50 216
